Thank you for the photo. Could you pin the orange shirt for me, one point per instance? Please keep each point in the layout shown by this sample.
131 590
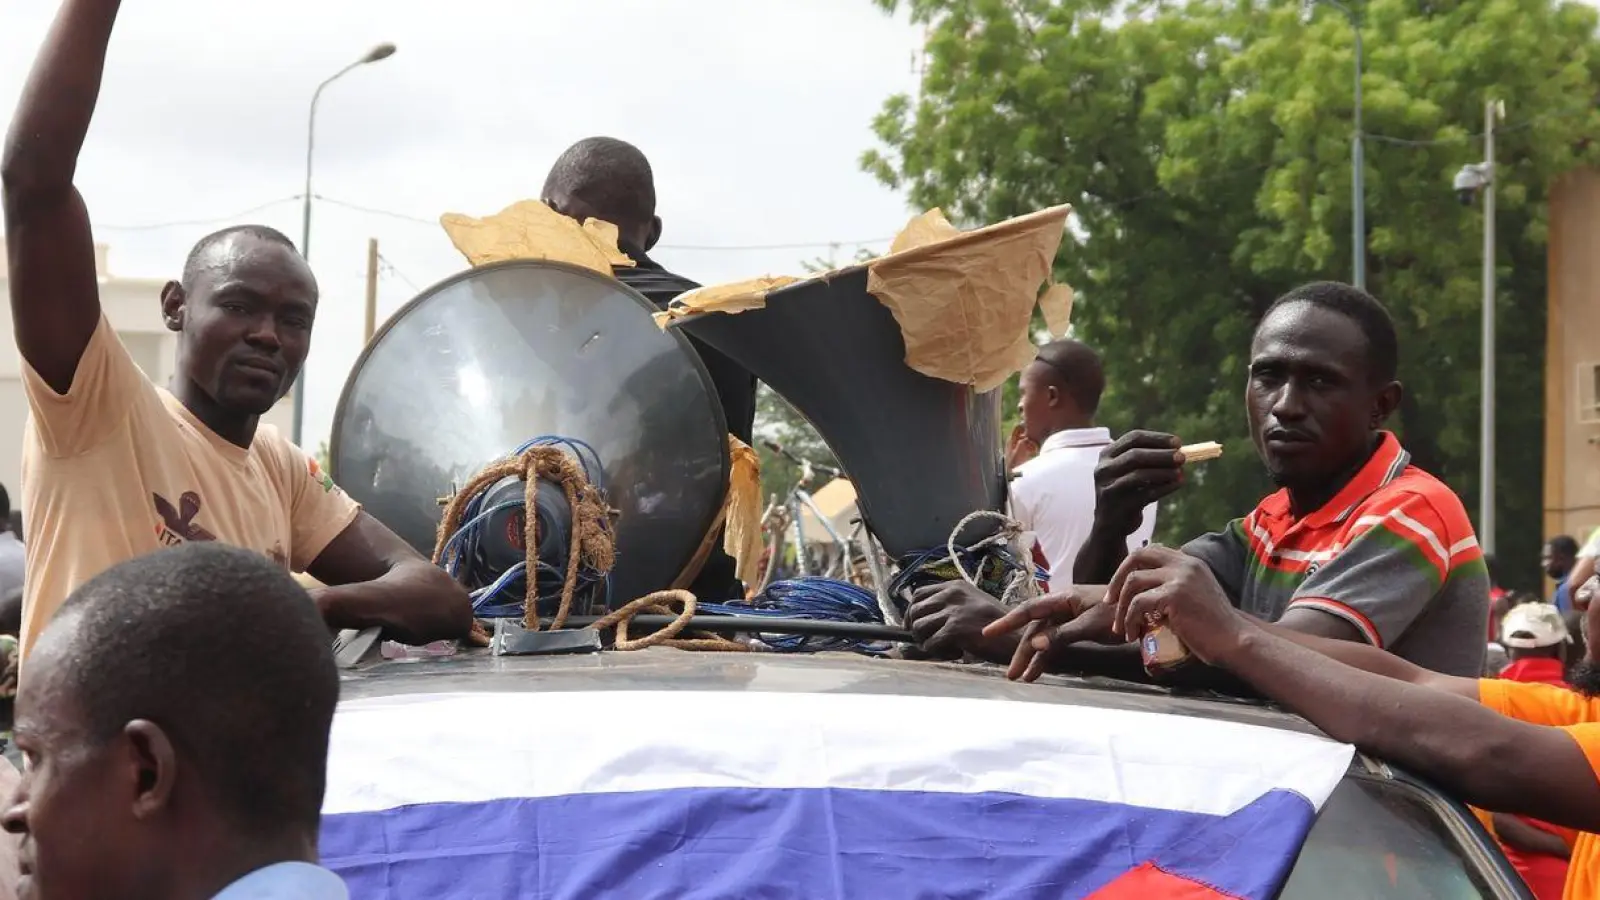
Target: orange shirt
1578 716
117 467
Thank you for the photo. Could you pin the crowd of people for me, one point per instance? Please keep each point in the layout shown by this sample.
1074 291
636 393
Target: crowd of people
1356 594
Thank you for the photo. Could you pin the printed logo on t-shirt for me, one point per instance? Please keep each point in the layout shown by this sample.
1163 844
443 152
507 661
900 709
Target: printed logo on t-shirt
319 476
277 555
178 525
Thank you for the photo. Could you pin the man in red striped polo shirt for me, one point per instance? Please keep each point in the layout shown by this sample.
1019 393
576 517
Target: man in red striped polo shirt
1358 544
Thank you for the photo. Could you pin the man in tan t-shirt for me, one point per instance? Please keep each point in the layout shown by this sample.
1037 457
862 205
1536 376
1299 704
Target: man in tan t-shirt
115 466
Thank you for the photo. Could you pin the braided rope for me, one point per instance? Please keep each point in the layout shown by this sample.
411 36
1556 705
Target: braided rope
1021 585
592 544
591 540
661 602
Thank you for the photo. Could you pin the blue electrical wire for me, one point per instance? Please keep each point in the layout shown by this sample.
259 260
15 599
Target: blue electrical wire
498 599
822 599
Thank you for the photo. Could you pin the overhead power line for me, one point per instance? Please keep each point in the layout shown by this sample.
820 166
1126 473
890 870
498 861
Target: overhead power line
213 220
1478 135
388 268
802 245
819 245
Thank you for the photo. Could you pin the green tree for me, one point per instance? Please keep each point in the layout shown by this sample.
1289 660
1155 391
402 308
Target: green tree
1205 147
779 422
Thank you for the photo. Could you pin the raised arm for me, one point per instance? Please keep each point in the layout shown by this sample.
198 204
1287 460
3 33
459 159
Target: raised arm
55 300
1136 470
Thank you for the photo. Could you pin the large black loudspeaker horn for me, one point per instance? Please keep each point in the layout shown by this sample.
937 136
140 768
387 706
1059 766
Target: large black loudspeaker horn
502 354
922 452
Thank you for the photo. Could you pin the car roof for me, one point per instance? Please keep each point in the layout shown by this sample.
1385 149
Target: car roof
667 669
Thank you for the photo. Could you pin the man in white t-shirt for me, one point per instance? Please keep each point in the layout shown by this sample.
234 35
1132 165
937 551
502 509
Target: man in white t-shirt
1052 495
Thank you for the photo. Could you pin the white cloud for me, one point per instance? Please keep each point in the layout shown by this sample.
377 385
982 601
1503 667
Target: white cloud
753 113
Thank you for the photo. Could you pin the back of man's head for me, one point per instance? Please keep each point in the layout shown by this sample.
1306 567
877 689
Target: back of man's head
610 180
1080 369
209 669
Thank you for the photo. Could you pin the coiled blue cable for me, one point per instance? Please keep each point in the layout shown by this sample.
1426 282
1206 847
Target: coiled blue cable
822 599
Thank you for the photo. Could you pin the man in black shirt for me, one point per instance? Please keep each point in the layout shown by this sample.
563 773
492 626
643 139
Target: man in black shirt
610 180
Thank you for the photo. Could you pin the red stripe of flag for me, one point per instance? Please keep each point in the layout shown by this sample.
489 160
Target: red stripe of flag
1150 883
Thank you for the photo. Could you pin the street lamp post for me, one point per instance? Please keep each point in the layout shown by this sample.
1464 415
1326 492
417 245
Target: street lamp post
380 52
1358 186
1474 179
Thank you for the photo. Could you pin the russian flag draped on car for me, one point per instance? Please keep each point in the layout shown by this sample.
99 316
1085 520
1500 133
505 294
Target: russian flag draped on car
755 794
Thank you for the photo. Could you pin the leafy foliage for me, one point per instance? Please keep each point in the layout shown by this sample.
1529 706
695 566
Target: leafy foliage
777 421
1205 146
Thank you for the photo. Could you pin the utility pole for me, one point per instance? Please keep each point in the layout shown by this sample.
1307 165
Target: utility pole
381 52
1492 111
1358 178
372 290
1472 180
1358 164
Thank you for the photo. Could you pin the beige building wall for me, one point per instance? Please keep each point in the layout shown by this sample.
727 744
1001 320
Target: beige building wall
1572 359
133 306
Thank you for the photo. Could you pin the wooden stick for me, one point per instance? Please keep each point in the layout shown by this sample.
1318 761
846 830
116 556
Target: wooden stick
1193 453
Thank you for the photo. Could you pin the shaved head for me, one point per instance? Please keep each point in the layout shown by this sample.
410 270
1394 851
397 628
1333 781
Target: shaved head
176 715
610 180
220 646
220 249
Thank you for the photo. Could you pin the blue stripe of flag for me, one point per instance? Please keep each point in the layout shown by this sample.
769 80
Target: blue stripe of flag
815 843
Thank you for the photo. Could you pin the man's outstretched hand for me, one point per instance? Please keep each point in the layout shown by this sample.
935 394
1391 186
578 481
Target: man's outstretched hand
1160 585
1047 623
1154 585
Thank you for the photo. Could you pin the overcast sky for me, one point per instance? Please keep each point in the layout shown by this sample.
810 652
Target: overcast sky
753 114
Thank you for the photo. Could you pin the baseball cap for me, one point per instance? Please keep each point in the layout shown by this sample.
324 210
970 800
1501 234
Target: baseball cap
1533 625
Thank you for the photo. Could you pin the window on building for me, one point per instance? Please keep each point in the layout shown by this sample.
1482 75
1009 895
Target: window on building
1589 393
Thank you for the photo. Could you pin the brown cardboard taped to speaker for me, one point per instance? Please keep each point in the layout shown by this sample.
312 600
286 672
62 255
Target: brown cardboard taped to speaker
965 300
742 538
724 298
531 230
